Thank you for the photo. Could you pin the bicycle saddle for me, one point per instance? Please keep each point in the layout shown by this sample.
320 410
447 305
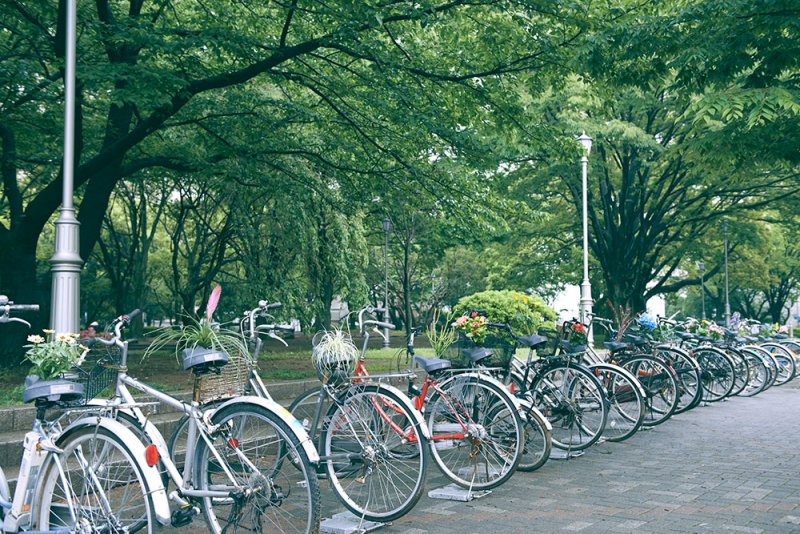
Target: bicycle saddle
635 340
432 365
51 391
532 341
477 354
685 335
201 360
615 346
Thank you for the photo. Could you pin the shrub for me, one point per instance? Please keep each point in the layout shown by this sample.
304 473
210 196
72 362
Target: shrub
525 313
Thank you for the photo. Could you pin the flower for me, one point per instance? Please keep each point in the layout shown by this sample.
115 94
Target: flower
474 327
52 357
647 322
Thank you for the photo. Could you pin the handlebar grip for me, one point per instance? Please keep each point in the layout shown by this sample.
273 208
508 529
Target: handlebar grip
24 307
89 342
390 326
133 314
274 305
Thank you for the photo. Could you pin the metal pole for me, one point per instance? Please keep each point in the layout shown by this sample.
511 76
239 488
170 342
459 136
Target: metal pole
727 299
702 268
586 286
66 262
386 225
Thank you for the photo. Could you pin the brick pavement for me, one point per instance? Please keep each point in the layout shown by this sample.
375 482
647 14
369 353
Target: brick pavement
729 467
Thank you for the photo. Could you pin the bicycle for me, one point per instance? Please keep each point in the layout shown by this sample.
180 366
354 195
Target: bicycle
87 477
248 462
372 439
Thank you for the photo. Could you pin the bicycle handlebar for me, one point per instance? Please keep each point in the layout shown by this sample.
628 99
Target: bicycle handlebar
373 310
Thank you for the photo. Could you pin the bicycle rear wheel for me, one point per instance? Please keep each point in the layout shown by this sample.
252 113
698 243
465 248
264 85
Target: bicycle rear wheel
718 373
102 480
273 486
476 431
538 441
757 374
687 374
375 453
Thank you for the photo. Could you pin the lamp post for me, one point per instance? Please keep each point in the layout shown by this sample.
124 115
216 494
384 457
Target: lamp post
586 286
387 225
702 267
727 298
66 263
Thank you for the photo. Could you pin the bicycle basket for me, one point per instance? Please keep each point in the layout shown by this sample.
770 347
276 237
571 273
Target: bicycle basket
231 381
96 374
335 356
503 351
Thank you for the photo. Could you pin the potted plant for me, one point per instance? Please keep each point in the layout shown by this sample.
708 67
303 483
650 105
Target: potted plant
441 335
54 356
202 333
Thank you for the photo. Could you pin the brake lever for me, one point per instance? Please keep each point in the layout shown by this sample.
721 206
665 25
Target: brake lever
377 331
7 319
279 338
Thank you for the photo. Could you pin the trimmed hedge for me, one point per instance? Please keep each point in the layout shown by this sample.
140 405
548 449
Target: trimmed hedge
525 313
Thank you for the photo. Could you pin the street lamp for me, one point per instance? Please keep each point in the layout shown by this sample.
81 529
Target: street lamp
66 263
586 286
387 225
727 298
702 267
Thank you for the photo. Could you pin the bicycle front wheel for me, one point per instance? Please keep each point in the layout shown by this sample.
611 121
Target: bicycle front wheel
572 398
102 481
626 404
260 476
476 432
660 387
537 439
375 452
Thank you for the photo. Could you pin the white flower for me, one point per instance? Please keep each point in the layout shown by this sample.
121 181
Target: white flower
35 339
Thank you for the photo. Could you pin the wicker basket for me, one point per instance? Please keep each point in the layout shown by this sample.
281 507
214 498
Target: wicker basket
231 381
503 350
97 374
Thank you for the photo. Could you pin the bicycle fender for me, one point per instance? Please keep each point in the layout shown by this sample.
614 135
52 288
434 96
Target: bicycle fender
152 432
286 416
527 406
152 478
408 405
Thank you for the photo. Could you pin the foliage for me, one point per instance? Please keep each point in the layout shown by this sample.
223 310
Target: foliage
524 313
440 332
55 355
575 333
334 356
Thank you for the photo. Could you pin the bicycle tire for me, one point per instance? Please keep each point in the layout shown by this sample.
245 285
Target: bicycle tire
688 375
758 373
122 484
263 454
717 373
769 361
491 447
538 441
304 407
572 398
660 386
625 398
375 471
787 367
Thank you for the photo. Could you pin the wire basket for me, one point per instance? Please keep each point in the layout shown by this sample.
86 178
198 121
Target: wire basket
97 373
231 381
335 356
503 351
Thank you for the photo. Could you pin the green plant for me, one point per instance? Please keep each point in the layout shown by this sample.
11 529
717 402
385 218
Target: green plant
525 314
334 355
200 332
51 357
440 336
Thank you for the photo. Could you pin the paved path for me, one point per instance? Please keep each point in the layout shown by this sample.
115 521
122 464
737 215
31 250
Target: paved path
729 467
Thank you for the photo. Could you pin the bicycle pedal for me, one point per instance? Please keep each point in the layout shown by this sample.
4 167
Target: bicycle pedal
182 516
